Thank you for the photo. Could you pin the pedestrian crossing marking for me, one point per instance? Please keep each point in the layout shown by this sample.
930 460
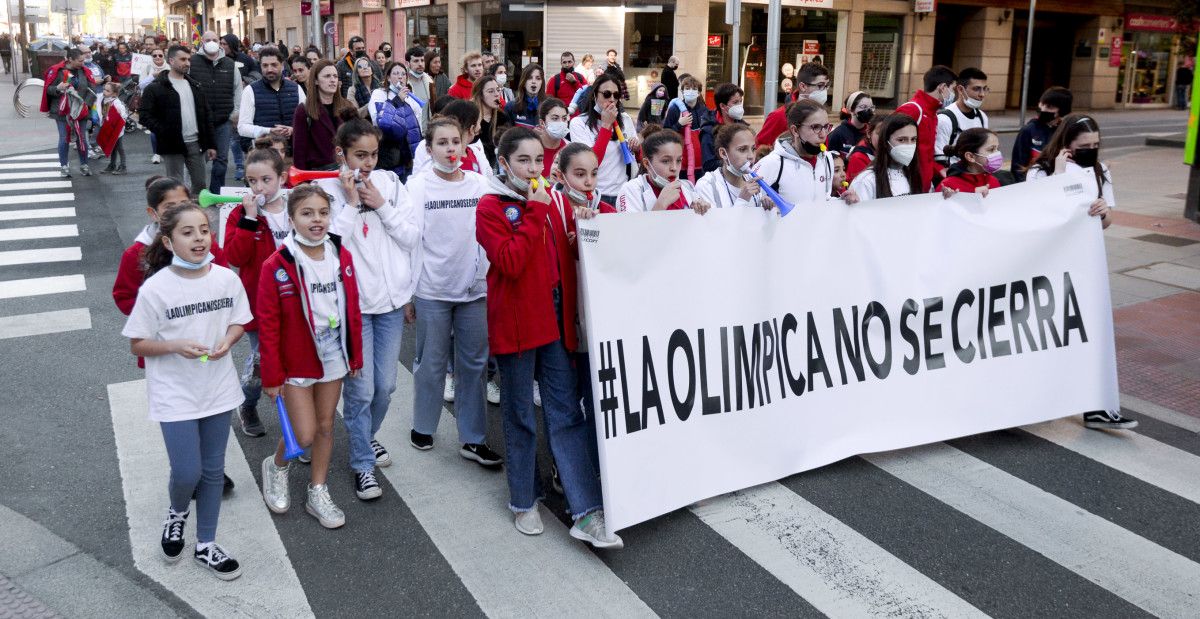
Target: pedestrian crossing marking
463 509
32 157
38 232
35 185
39 256
1155 463
44 323
39 213
1147 575
268 586
37 198
37 286
833 567
28 165
29 175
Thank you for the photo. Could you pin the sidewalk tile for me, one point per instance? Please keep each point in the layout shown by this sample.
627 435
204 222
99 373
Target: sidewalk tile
1171 274
1158 351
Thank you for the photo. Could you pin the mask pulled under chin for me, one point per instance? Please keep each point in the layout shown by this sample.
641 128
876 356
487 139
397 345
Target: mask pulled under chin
455 164
659 181
176 261
810 149
579 196
305 241
736 171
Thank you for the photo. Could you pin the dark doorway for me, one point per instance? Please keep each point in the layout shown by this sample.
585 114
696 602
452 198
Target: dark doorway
1053 49
950 20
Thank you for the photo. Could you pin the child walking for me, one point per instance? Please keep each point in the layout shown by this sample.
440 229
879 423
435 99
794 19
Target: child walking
188 315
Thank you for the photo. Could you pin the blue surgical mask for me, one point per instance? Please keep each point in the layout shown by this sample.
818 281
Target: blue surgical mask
176 261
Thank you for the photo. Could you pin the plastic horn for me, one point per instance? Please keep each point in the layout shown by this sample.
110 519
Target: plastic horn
785 207
291 449
208 198
625 152
533 183
296 176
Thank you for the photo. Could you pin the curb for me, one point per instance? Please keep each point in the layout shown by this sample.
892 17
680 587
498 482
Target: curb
1174 141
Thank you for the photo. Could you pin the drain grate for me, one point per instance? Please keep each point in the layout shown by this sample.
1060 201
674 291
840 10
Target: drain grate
1166 239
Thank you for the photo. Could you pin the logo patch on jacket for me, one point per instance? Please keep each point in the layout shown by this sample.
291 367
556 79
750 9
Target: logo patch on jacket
281 275
349 271
512 213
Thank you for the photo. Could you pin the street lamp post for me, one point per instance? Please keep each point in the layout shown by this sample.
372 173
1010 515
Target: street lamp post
771 83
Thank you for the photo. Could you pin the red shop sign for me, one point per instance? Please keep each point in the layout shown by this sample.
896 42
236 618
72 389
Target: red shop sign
714 40
1150 22
1114 52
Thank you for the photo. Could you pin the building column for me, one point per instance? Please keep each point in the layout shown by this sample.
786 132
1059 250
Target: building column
690 38
916 52
1093 82
985 42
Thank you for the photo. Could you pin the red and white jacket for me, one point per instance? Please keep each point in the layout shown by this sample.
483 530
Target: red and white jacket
248 244
286 341
130 274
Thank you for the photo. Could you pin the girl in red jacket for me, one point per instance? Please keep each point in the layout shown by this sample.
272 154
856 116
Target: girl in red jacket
162 192
310 337
529 335
976 157
254 230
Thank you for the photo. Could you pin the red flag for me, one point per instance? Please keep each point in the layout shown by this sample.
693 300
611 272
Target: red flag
110 131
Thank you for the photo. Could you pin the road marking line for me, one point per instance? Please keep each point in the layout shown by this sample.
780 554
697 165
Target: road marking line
1161 413
38 232
35 185
38 213
445 491
1147 575
29 165
38 256
1155 463
37 198
37 286
20 176
33 157
268 586
43 323
829 564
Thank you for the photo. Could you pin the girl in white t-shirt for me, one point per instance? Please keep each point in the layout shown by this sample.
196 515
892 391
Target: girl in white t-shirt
188 315
451 294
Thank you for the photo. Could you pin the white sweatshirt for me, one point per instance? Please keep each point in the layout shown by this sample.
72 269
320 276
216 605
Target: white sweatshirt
613 172
864 184
637 195
797 179
714 189
383 242
450 263
1105 192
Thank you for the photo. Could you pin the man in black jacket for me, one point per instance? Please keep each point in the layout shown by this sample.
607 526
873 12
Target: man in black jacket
174 108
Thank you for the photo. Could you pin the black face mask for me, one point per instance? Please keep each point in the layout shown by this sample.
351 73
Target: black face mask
864 116
568 69
810 149
1085 157
360 54
1046 117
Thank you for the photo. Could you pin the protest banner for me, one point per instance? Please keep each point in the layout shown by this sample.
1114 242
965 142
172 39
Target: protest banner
740 347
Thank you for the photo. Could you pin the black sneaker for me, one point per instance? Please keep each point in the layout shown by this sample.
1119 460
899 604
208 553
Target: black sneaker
382 457
423 442
228 489
1104 420
221 564
555 480
251 425
480 453
172 535
366 487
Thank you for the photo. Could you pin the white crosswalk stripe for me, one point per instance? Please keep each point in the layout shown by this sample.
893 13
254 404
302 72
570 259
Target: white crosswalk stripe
36 286
268 586
29 175
34 157
28 165
37 256
37 198
38 213
43 323
35 185
38 232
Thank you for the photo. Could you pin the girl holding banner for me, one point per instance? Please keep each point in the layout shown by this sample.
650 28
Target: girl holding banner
728 187
894 171
798 167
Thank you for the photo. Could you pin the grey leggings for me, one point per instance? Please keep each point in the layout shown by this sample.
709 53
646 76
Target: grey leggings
196 449
118 154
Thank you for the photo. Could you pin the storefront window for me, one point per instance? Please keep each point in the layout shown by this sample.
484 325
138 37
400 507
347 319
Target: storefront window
427 26
880 58
649 42
512 31
1146 67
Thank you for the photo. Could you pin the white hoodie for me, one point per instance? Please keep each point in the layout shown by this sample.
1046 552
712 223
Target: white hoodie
797 180
717 191
450 264
637 195
613 170
383 242
422 161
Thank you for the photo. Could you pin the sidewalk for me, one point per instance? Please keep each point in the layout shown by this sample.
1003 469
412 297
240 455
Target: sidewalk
1154 264
24 135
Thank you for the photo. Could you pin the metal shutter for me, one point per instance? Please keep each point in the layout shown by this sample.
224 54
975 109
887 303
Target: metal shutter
582 30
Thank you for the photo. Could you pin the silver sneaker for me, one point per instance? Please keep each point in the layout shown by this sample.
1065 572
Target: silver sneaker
321 506
529 522
493 392
590 529
85 170
275 486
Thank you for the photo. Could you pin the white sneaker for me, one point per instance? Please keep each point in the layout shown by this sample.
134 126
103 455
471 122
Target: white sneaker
448 390
530 522
590 529
537 394
157 159
493 392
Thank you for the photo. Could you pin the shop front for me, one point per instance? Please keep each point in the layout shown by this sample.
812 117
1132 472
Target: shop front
1148 53
421 22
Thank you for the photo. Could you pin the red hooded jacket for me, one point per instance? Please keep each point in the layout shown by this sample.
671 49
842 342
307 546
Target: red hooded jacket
130 274
968 182
248 244
774 124
461 88
285 329
923 108
520 279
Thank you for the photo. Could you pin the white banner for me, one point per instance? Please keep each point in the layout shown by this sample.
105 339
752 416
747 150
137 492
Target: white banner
736 348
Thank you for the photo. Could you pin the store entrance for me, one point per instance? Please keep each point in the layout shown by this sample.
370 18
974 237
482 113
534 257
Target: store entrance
1147 60
1053 51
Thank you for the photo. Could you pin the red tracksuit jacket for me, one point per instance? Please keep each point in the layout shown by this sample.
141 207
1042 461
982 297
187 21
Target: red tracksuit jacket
130 274
248 244
923 108
521 276
285 327
968 182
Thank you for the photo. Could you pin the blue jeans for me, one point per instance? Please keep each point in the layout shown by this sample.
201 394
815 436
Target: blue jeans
366 398
196 449
216 177
251 376
1181 96
565 424
436 320
153 144
64 147
239 158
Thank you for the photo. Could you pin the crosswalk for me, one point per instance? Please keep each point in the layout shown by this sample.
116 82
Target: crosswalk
942 530
40 256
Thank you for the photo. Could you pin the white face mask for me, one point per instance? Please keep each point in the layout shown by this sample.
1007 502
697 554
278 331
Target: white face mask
501 78
819 96
689 96
450 168
211 48
973 103
903 153
559 129
949 98
736 112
